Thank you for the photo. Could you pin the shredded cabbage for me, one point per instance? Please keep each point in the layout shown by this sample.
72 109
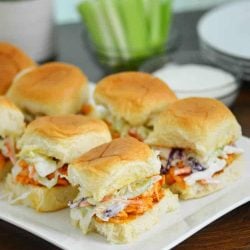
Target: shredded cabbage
43 165
18 198
85 217
137 188
49 183
123 127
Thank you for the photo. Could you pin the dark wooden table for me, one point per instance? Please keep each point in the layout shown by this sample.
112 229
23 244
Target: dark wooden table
232 231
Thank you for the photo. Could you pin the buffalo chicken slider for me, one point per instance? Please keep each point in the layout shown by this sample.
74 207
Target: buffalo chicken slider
51 89
121 191
12 61
11 127
131 100
196 138
39 178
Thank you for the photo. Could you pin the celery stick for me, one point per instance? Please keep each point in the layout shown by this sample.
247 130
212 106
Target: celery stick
132 13
86 12
116 27
147 12
155 24
166 16
96 24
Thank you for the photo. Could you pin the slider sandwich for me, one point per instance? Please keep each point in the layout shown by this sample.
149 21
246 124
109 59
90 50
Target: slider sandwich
39 178
121 191
11 128
196 138
131 100
12 61
51 89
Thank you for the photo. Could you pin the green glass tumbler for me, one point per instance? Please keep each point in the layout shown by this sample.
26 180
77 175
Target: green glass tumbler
124 33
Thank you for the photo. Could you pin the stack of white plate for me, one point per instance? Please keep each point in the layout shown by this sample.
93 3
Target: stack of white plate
224 35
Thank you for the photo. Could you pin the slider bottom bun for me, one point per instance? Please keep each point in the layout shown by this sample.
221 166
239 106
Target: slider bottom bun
224 178
5 170
41 199
129 231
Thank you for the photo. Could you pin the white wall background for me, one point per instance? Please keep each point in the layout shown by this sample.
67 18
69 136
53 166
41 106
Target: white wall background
65 11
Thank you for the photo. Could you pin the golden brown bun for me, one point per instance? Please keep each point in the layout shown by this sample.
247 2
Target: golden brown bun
11 119
104 169
133 96
12 61
198 124
5 170
128 232
51 89
64 137
223 179
41 199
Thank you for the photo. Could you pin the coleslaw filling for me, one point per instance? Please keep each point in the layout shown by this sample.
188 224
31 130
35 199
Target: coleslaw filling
131 199
184 167
37 169
121 128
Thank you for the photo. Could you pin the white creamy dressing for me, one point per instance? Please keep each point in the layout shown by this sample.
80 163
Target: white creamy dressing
213 164
231 150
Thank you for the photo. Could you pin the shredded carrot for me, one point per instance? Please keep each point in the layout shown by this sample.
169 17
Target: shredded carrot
86 109
180 164
202 182
114 133
135 135
163 180
230 158
172 178
2 161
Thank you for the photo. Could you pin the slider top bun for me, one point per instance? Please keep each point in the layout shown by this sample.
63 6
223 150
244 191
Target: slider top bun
111 166
133 96
199 124
11 118
12 61
64 137
51 89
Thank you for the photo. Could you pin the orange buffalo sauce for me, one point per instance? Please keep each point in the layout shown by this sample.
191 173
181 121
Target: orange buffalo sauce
26 176
86 109
2 161
139 205
115 134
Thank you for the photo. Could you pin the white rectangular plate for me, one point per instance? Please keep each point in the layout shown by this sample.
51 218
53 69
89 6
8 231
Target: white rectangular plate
172 229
